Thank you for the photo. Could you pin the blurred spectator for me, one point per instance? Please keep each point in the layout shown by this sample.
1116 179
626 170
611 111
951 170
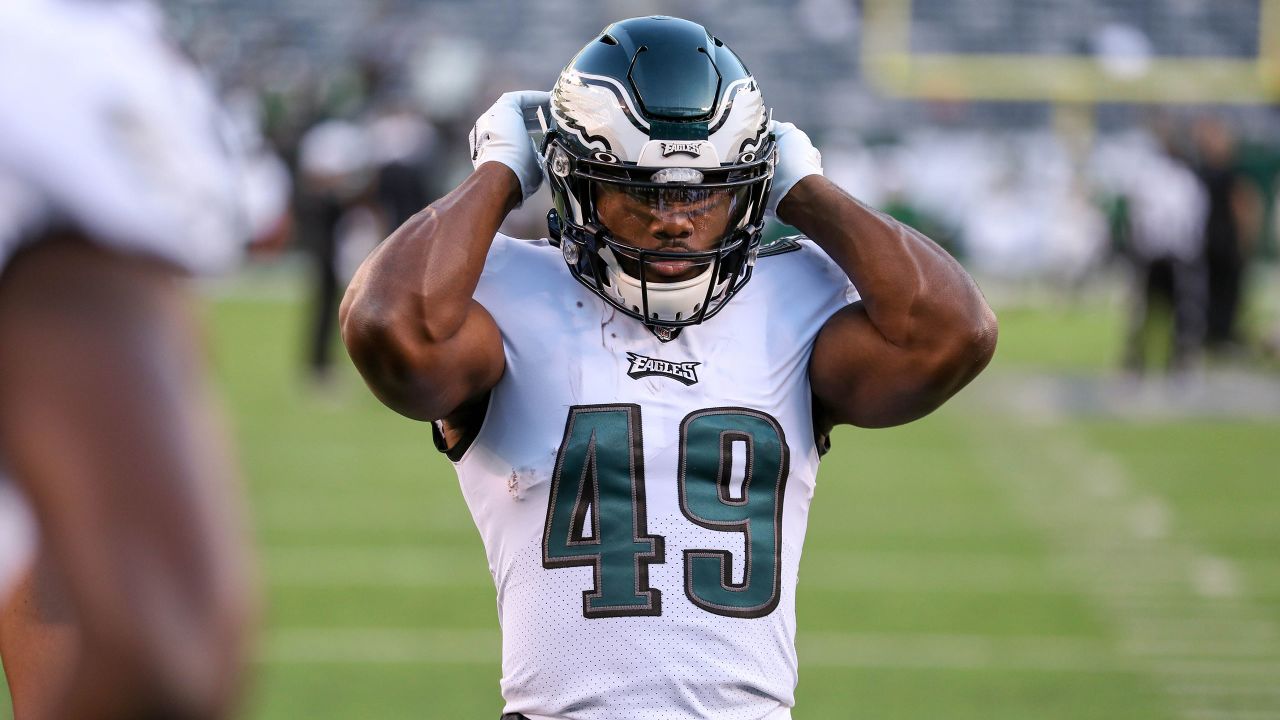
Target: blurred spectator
358 179
1167 207
1231 224
335 175
404 147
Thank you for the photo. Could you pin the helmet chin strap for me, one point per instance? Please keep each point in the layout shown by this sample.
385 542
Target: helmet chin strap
669 302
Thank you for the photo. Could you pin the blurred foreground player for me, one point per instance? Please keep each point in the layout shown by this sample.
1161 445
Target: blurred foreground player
114 186
637 434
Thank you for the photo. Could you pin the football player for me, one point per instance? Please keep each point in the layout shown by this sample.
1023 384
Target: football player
114 186
636 406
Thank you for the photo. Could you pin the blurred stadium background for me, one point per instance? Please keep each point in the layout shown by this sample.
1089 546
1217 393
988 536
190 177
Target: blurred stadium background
1074 537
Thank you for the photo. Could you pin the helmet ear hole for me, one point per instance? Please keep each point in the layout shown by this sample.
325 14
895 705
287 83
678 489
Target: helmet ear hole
554 226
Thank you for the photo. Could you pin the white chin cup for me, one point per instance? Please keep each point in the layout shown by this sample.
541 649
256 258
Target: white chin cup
668 302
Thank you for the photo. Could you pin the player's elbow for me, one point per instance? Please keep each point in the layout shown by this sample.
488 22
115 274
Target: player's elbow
377 340
962 354
398 359
397 330
979 342
366 323
367 331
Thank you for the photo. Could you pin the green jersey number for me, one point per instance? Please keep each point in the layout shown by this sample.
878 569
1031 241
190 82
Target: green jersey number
596 510
595 515
707 438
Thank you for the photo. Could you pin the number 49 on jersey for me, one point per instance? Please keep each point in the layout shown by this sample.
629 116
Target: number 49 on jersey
596 509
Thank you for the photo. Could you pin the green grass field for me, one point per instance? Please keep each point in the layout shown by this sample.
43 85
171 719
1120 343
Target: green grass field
1001 559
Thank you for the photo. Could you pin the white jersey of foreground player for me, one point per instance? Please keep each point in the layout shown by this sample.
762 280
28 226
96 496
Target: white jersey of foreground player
642 503
107 131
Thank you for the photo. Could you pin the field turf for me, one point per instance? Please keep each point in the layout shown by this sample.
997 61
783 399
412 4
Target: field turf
1009 557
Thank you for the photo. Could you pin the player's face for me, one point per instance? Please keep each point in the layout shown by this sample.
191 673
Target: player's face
680 220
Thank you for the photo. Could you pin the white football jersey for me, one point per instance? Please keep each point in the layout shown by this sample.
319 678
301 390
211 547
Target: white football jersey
643 504
106 130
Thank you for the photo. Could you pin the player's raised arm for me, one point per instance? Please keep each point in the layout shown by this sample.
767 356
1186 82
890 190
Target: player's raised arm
421 342
922 329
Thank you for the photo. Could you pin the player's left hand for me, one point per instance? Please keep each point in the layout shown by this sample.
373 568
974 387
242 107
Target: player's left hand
797 159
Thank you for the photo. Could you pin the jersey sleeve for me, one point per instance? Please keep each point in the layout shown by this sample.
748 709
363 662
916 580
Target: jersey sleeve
802 272
516 269
817 288
107 130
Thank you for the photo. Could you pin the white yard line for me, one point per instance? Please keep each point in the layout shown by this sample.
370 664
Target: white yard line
1183 616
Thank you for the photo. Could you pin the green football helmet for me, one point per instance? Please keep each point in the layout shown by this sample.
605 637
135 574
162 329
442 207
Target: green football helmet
658 109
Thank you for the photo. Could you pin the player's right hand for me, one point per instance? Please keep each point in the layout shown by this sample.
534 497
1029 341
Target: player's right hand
500 135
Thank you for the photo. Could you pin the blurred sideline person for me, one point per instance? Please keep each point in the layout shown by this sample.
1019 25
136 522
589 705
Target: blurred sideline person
115 184
1232 224
1271 334
1167 207
637 434
357 180
335 176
